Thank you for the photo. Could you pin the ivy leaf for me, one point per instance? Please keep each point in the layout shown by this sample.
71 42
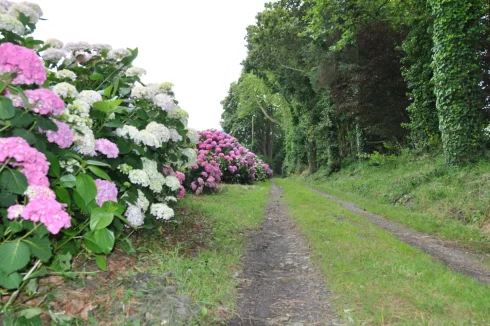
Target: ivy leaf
11 281
100 219
7 109
86 187
101 261
99 172
14 181
41 248
14 256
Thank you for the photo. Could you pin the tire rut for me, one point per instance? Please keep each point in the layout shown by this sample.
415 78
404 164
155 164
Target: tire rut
456 259
279 283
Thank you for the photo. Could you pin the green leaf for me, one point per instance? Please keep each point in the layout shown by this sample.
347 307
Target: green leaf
68 181
115 123
105 240
90 243
29 137
99 219
127 246
14 181
98 163
7 198
101 261
124 147
112 207
62 262
99 172
86 187
22 119
123 91
11 281
80 202
39 273
41 248
7 109
108 91
54 165
46 123
62 195
14 256
96 76
30 312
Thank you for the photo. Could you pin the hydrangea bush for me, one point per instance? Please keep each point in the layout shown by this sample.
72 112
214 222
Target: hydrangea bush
88 152
221 158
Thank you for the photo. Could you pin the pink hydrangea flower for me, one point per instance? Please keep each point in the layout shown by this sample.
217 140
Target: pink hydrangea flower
106 147
181 193
106 191
33 163
42 100
47 211
63 137
25 62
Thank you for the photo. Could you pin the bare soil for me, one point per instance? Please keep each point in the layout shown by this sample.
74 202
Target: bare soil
455 258
279 284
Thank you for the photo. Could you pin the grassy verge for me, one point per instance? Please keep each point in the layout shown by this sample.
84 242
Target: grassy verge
376 279
206 273
425 194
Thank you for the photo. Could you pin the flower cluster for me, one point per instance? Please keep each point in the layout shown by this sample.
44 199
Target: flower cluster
63 137
106 191
222 158
42 101
27 66
42 206
106 147
154 135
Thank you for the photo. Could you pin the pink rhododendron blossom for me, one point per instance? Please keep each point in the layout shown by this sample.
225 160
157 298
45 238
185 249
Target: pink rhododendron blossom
106 191
106 147
63 137
24 62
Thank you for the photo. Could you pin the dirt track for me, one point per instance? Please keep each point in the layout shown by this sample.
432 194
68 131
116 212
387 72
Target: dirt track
279 283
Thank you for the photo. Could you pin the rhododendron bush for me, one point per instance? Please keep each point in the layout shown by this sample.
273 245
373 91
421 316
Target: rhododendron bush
221 158
88 152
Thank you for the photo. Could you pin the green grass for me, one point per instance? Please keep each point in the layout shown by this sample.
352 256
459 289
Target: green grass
376 279
423 193
207 276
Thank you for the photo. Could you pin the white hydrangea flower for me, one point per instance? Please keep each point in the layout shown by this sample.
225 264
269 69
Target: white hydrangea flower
140 91
161 211
193 136
18 8
170 199
11 24
34 6
90 97
165 102
54 43
79 108
139 177
159 130
162 88
118 54
148 139
84 140
174 135
66 74
135 215
69 165
157 180
179 114
191 155
65 90
135 71
99 47
172 182
78 46
53 55
5 5
142 201
124 168
128 132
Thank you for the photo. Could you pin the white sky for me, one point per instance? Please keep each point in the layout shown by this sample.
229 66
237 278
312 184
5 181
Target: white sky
197 45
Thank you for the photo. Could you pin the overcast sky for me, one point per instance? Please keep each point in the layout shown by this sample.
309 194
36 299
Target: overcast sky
197 45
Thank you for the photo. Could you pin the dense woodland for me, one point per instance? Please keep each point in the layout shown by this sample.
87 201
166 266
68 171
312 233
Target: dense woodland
326 82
